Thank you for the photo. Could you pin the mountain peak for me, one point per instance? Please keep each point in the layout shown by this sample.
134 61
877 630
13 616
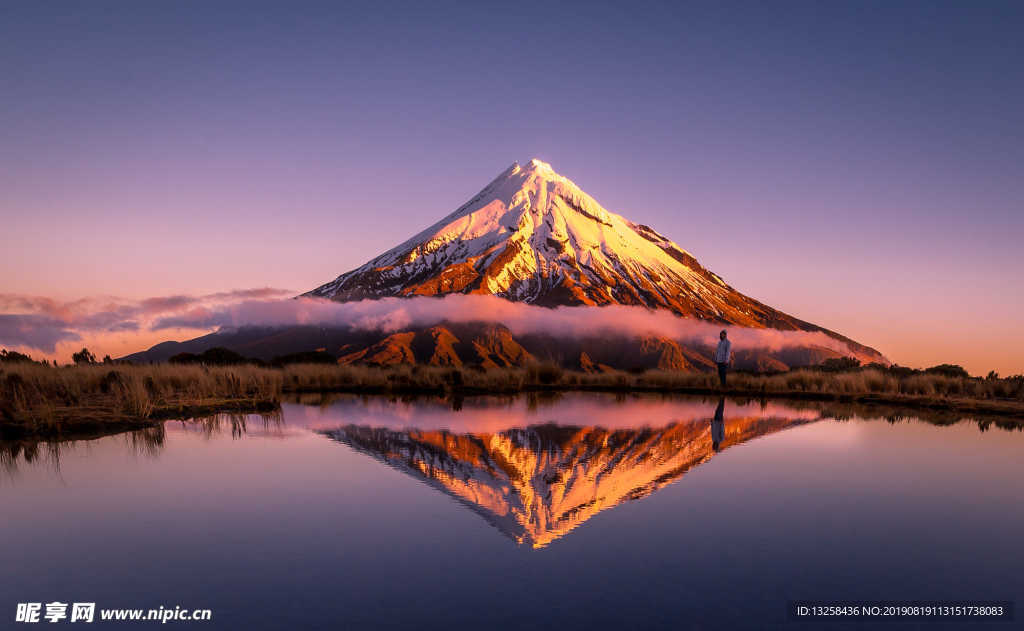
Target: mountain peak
532 164
539 165
537 169
534 236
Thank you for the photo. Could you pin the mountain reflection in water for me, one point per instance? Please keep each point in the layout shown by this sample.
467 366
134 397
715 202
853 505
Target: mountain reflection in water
273 523
538 483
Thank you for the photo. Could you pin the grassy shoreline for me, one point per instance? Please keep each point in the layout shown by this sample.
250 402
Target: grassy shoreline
43 400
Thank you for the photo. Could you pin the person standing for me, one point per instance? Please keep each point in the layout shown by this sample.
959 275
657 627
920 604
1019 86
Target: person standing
723 356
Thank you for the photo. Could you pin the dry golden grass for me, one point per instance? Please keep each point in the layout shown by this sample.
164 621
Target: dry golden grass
36 397
868 383
40 399
862 383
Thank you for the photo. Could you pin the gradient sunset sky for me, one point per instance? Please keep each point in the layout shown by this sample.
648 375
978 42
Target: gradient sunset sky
859 165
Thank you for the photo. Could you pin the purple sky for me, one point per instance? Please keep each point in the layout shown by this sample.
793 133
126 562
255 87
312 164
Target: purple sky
859 166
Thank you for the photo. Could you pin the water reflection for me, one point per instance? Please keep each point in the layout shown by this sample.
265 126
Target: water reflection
480 416
33 451
538 483
235 424
718 426
219 512
147 442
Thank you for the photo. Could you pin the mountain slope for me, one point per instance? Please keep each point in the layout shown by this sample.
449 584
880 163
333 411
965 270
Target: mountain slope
484 345
532 235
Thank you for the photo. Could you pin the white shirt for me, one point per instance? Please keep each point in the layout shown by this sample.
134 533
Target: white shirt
723 354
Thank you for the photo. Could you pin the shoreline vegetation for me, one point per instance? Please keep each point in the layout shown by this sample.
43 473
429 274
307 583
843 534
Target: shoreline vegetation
40 399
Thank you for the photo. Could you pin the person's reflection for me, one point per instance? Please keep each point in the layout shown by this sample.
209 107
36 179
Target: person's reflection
718 426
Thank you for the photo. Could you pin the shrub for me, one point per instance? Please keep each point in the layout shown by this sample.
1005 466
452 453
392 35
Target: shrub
547 373
454 378
948 370
84 356
839 364
12 357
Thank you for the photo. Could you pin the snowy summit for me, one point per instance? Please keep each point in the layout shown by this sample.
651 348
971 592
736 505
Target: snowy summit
534 236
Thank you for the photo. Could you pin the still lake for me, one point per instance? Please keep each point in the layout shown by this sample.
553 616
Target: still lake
579 511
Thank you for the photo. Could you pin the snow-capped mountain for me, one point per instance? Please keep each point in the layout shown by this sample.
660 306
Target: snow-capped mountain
532 235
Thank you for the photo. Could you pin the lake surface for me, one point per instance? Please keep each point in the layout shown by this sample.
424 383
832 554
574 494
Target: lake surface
583 511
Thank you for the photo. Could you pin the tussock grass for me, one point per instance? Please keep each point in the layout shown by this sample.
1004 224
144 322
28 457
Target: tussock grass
318 377
41 399
934 390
